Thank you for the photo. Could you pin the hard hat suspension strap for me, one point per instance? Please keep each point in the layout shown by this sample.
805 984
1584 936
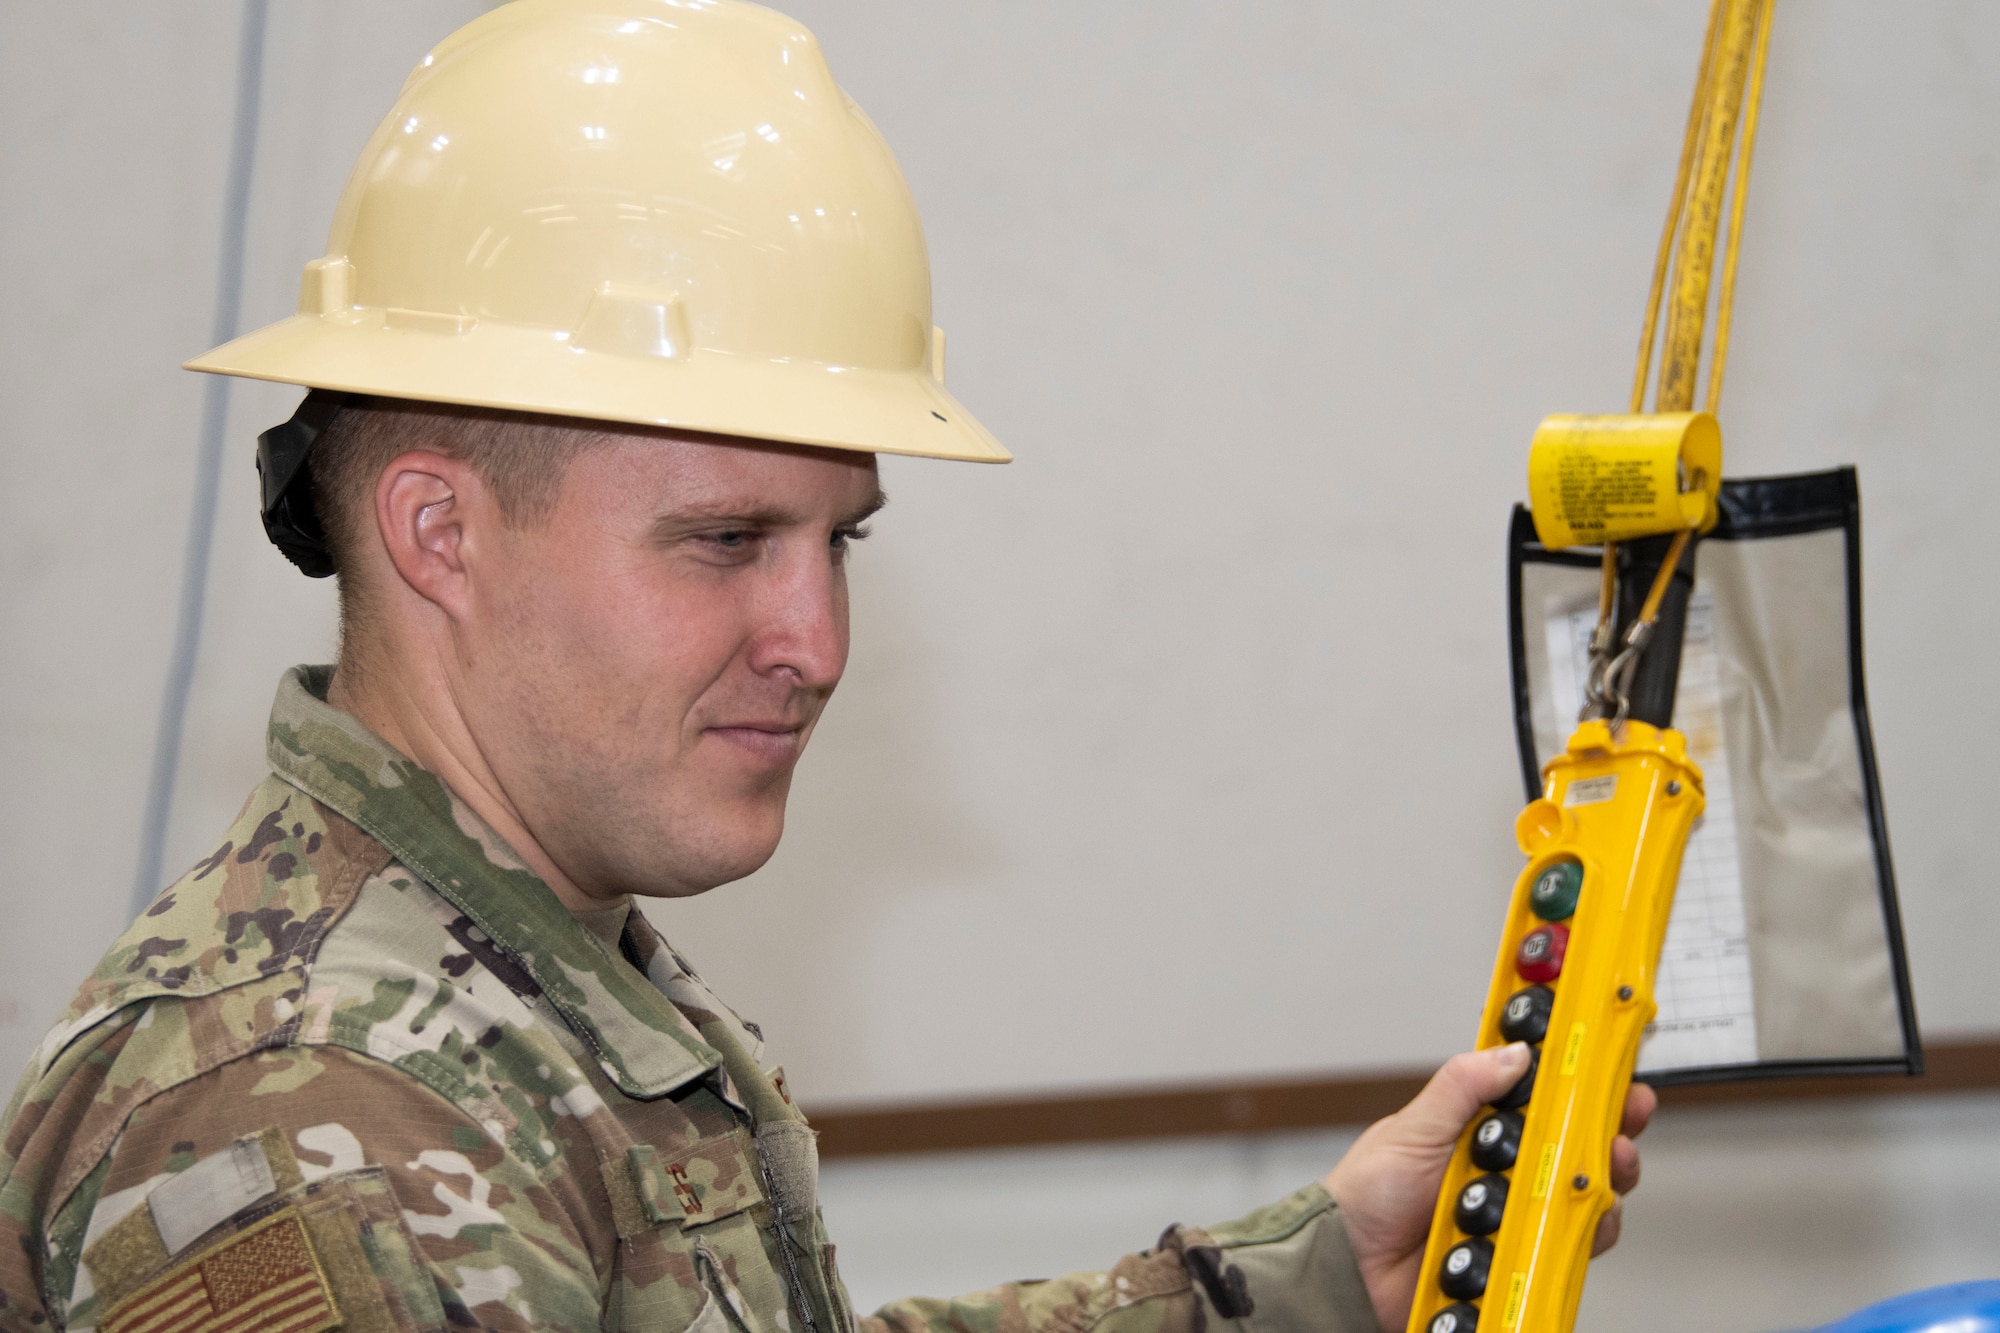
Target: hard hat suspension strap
285 491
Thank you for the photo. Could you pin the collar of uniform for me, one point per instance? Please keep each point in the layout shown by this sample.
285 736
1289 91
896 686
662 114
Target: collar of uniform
641 1040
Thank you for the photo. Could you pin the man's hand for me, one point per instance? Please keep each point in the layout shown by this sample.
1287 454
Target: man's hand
1388 1182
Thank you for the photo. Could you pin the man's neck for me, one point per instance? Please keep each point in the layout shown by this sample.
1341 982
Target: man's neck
418 719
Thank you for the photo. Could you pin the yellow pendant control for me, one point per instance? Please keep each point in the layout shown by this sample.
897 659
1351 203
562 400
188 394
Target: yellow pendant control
1511 1236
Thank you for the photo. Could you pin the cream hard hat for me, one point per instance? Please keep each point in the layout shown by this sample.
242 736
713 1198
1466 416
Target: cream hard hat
655 211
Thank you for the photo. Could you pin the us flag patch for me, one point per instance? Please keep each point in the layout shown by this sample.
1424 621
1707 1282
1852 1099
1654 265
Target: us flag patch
266 1279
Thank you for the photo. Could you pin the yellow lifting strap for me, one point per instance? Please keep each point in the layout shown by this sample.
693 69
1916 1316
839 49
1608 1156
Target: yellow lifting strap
1729 88
1529 1181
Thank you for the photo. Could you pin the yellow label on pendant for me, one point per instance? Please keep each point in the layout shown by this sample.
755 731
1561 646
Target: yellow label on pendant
1517 1287
1545 1172
1573 1049
1614 478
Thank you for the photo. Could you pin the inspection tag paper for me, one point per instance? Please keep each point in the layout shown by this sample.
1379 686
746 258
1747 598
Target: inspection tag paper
1707 1013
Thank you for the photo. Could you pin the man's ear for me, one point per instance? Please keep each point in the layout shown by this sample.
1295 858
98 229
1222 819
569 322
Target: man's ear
431 512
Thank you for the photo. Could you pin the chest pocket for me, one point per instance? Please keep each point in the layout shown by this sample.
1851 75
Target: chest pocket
698 1243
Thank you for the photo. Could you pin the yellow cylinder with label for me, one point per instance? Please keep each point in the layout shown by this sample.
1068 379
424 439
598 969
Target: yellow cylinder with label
1594 479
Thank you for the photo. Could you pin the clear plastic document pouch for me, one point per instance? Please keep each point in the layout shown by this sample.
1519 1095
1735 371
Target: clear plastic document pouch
1784 953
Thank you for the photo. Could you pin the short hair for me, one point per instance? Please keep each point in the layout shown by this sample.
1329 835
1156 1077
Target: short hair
522 456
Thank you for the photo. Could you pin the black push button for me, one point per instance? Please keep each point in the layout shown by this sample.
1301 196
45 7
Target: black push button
1480 1205
1456 1318
1497 1141
1462 1275
1525 1016
1517 1096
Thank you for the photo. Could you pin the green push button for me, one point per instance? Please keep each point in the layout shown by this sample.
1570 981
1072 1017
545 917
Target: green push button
1553 896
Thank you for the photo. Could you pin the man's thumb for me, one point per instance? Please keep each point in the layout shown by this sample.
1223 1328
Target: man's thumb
1457 1091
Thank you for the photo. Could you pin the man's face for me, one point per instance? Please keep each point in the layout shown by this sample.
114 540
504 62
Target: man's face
643 670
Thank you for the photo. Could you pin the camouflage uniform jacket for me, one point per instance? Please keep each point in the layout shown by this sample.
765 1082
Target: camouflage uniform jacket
359 1068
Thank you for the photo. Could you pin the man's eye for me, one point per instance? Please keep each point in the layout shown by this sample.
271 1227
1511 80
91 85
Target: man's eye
733 539
844 537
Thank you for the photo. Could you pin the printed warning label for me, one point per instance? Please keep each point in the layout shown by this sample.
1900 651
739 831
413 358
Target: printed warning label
1594 489
1591 791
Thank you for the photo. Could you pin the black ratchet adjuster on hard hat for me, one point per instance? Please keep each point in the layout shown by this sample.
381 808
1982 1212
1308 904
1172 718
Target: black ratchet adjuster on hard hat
285 490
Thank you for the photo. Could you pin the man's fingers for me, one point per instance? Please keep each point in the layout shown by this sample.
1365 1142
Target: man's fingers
1640 1103
1607 1229
1624 1164
1465 1083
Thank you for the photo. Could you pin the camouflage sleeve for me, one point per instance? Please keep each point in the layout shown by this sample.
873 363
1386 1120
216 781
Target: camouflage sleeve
1287 1268
452 1229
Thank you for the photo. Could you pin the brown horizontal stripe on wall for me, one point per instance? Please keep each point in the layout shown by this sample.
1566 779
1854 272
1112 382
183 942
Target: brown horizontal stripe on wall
1314 1104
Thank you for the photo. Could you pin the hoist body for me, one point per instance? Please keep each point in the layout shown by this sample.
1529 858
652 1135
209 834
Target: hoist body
1604 846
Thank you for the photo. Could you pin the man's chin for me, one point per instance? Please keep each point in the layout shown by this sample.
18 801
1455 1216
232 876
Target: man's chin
723 856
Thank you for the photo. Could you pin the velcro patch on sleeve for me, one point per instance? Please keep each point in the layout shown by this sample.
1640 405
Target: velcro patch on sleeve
214 1189
267 1278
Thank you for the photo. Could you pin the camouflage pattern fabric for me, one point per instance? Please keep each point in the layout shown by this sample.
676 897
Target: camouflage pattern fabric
363 1019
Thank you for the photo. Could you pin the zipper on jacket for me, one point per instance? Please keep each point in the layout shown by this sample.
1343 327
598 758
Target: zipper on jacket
787 1246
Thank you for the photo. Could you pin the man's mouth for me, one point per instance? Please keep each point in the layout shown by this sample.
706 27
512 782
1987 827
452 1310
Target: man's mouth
773 742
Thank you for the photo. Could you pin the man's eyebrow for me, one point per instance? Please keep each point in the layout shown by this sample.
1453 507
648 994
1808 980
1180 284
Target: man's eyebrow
869 508
756 516
731 512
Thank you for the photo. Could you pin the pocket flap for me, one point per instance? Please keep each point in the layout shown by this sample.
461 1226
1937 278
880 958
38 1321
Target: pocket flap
716 1178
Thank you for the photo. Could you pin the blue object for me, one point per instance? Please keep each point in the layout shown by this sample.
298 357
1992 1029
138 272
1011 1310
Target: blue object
1964 1307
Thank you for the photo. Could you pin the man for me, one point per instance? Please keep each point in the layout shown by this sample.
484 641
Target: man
620 303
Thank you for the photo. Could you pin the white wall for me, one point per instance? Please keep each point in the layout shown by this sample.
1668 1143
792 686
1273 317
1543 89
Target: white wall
1179 749
117 129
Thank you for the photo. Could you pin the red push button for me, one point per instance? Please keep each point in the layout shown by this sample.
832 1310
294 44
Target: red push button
1541 954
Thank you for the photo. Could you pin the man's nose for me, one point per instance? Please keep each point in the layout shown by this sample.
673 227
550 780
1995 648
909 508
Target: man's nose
802 629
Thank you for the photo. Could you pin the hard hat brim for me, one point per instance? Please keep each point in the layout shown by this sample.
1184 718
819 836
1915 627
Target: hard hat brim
499 365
